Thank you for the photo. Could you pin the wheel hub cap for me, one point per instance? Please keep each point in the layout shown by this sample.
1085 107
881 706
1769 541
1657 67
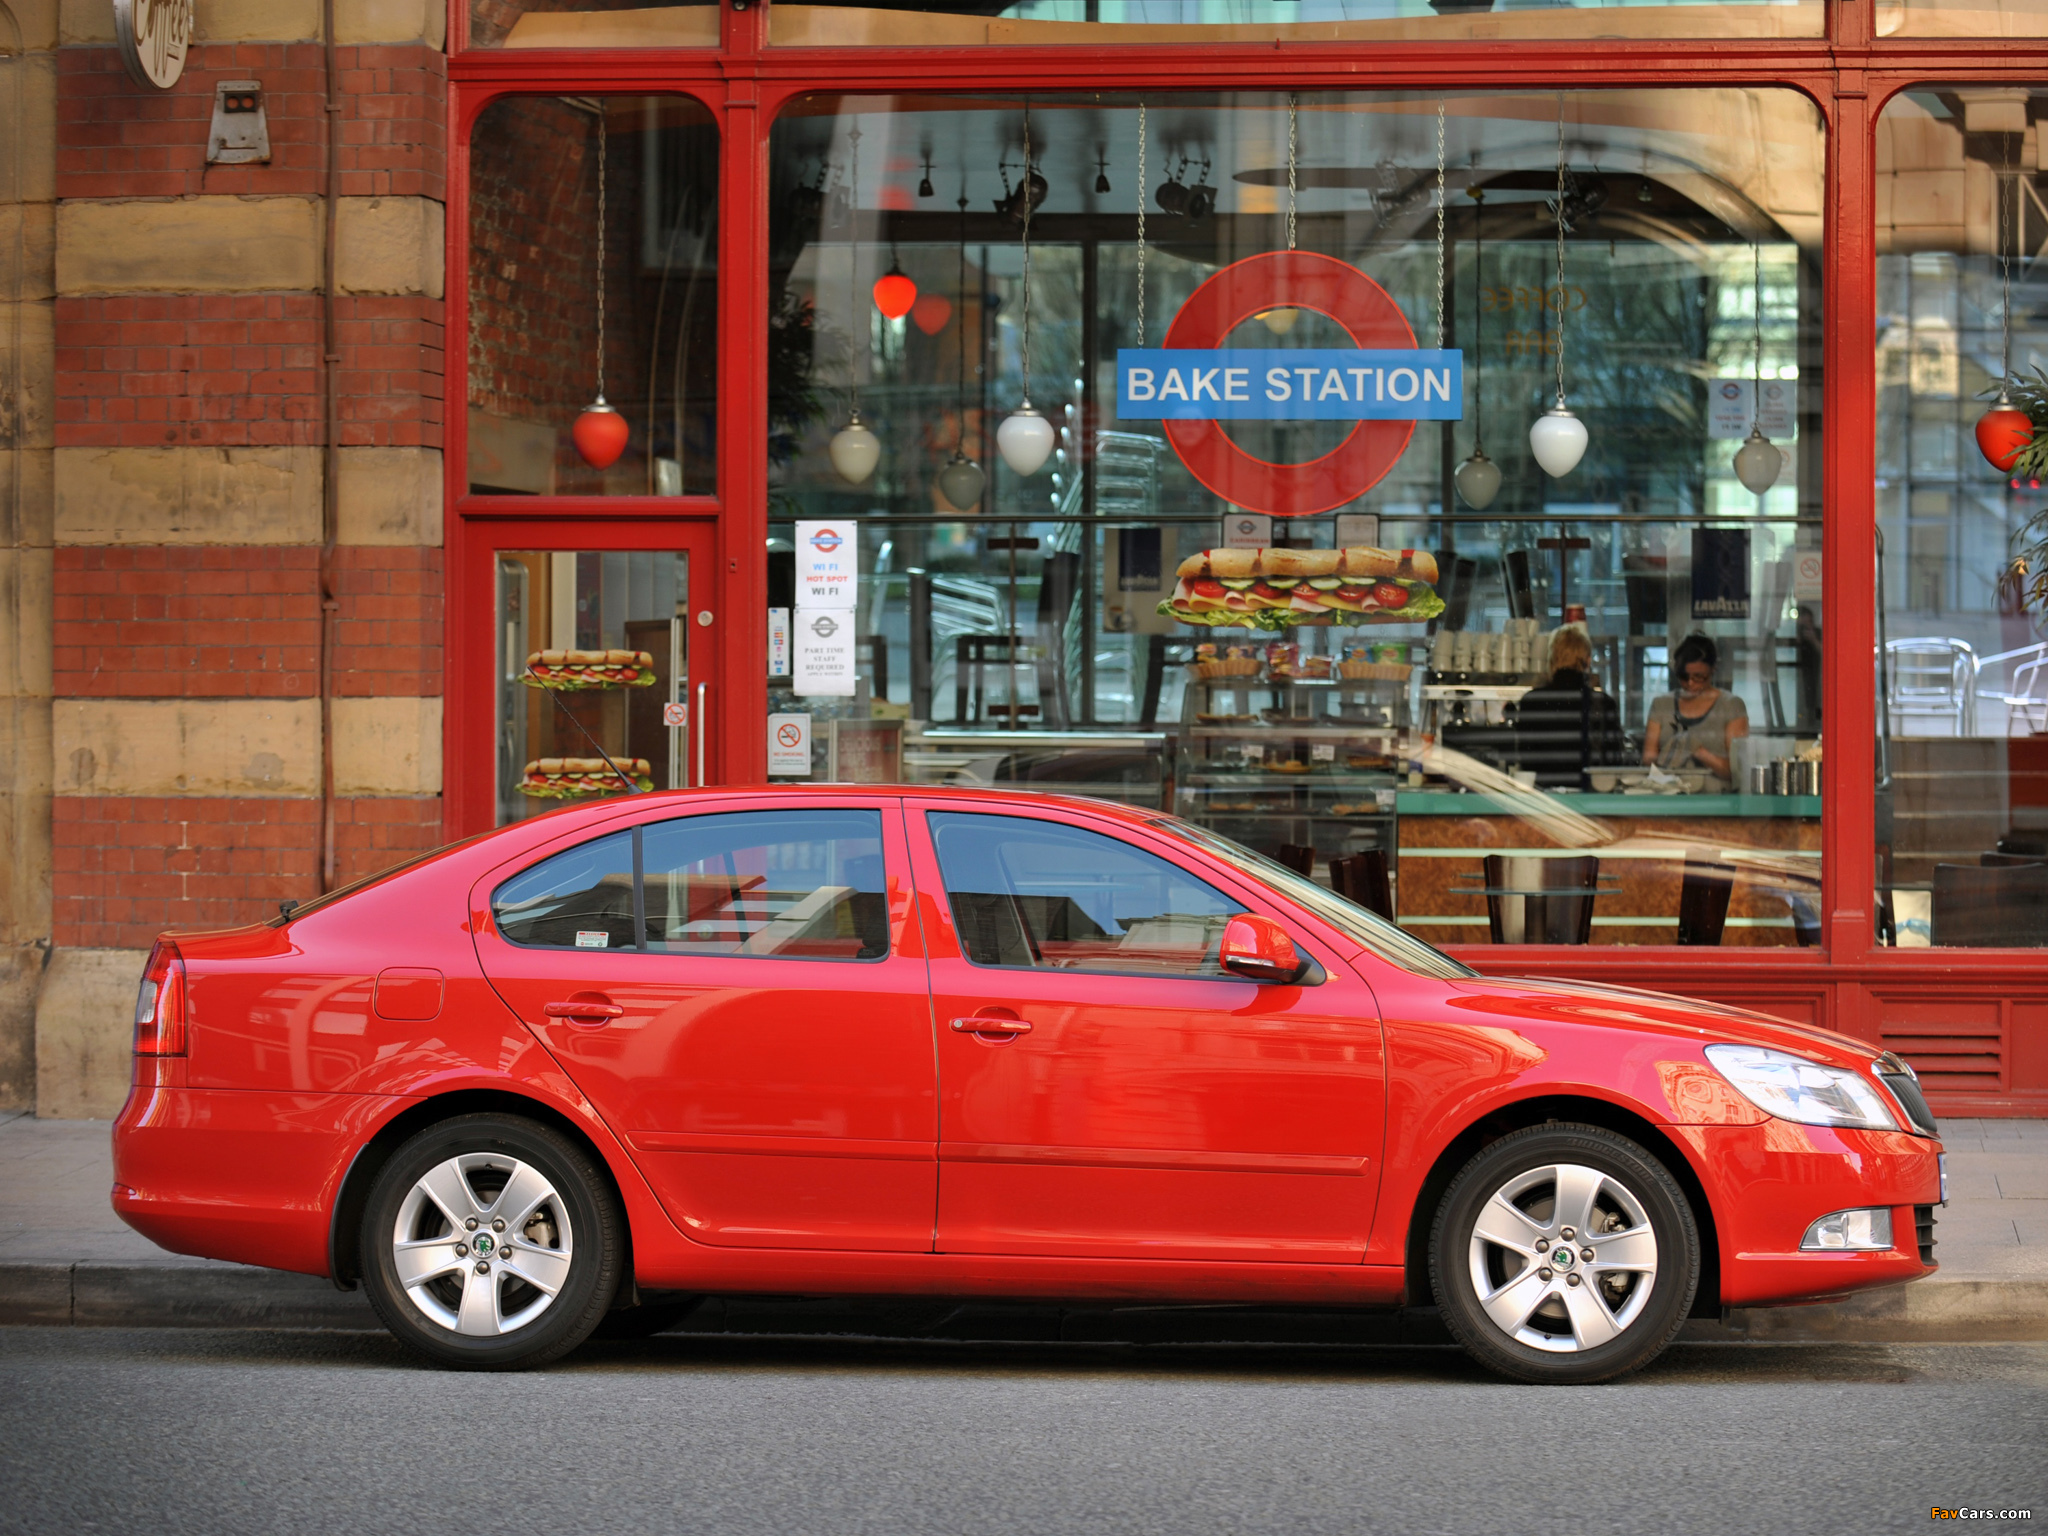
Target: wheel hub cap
455 1271
1563 1258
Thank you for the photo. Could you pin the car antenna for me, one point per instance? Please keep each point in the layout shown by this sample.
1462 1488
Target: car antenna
569 715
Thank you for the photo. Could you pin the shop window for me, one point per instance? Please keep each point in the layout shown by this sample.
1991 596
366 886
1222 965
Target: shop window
593 664
1316 630
593 270
1962 18
591 24
1962 794
954 23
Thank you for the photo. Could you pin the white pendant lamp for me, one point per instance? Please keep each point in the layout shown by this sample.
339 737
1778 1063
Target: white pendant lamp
1758 460
1478 480
1025 439
1558 438
855 450
961 482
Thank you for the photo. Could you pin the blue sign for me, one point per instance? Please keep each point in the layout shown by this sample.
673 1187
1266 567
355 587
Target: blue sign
1281 384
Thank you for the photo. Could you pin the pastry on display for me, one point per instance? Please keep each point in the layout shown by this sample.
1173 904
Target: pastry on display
1277 589
572 671
563 778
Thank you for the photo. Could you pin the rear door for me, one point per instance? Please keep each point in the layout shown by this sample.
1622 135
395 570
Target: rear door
1106 1090
741 992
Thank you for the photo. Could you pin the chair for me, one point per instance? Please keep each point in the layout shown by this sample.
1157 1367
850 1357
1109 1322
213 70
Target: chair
2025 694
973 656
1299 859
1932 677
1540 901
1362 879
1703 901
2004 907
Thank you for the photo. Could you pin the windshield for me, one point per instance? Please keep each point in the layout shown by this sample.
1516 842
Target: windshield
1393 945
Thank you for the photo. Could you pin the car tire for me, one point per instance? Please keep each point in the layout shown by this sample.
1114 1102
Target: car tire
1507 1255
490 1242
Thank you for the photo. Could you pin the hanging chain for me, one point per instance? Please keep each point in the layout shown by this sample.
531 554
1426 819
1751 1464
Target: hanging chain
601 148
1028 200
854 317
1478 317
1757 363
961 288
1292 112
2008 182
1560 248
1441 277
1141 224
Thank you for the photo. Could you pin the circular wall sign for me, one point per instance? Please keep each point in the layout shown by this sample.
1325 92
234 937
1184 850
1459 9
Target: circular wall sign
154 35
1290 280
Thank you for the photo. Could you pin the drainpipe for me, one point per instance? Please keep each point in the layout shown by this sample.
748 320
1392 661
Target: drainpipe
330 458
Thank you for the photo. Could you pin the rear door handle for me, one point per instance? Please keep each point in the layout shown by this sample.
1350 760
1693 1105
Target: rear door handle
582 1010
987 1026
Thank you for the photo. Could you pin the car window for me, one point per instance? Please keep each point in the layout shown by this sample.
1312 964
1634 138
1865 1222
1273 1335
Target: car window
1044 896
802 885
581 898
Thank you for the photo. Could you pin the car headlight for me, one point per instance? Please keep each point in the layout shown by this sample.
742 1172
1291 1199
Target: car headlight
1793 1088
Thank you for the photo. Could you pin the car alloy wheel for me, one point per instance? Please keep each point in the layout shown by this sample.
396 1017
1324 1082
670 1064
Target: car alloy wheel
493 1242
1564 1254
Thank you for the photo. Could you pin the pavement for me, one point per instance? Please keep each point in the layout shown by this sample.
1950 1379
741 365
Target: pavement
66 1259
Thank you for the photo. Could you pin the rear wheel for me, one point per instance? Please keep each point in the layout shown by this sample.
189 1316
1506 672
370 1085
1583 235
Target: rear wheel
492 1243
1564 1254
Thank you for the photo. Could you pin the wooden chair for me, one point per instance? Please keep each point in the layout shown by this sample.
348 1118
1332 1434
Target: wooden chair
2003 907
1299 859
1541 901
1703 901
1362 878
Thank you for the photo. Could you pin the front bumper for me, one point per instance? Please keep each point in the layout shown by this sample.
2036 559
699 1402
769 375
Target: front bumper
1767 1183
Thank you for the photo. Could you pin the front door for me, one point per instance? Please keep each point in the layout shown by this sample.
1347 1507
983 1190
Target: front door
1106 1090
741 993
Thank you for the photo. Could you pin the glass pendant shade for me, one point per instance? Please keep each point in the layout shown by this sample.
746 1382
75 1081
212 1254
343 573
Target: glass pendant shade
2002 432
1558 439
855 451
1279 321
1025 440
599 434
1758 461
931 312
961 482
895 293
1478 480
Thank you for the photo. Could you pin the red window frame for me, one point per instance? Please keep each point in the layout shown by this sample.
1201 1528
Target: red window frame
1849 73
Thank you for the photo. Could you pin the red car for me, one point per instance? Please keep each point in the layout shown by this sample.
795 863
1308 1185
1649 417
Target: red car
842 1039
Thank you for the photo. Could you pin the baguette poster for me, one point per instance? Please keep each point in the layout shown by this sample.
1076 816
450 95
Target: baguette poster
1277 589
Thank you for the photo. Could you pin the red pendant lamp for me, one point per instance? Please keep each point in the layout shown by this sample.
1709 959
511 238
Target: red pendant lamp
895 293
2004 431
931 312
600 432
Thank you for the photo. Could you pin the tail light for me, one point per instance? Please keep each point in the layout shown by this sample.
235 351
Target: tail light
160 1004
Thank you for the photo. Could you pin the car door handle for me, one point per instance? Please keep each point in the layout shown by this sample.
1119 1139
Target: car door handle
980 1025
576 1009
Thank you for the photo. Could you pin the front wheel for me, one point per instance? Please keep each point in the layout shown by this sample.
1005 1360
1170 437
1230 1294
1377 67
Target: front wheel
1564 1254
492 1243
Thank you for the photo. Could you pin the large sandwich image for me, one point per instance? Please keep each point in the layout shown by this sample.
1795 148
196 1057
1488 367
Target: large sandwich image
1275 589
573 671
560 778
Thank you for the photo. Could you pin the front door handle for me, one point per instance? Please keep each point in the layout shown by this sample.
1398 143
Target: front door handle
981 1025
582 1008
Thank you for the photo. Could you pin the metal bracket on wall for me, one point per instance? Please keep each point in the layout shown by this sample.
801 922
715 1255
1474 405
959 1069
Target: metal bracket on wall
240 132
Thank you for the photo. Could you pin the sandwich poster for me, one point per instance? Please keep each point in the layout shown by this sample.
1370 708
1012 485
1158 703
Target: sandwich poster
1278 589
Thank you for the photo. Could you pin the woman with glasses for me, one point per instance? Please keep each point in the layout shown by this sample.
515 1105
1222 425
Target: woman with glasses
1698 724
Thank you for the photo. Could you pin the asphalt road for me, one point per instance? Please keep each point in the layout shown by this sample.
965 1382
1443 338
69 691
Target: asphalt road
265 1432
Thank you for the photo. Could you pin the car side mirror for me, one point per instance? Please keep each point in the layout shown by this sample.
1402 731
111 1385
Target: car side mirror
1258 949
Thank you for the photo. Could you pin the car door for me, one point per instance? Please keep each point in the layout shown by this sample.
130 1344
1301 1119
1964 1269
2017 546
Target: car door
741 993
1105 1088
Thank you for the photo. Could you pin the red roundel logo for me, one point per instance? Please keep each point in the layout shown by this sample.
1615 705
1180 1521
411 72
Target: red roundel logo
1290 280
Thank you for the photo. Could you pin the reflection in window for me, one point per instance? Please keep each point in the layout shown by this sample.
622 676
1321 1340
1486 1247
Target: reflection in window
1963 661
580 899
1056 898
797 885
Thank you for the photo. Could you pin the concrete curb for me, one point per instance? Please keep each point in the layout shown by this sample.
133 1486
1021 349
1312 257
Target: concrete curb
203 1295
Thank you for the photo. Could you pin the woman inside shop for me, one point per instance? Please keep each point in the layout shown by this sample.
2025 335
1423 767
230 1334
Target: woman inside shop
1698 724
1568 725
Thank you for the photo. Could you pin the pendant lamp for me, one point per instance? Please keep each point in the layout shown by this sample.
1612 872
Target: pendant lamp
962 481
1758 461
600 432
1558 438
895 293
931 312
2004 431
1025 439
855 450
1478 478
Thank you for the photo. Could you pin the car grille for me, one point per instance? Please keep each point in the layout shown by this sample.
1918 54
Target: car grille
1923 1229
1906 1089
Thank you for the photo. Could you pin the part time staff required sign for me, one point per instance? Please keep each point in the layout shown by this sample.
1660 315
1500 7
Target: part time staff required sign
1279 384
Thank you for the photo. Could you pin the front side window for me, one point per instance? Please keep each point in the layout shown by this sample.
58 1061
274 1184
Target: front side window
1042 896
798 885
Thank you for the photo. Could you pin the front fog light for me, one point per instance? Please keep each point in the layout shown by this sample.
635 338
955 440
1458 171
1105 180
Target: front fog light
1858 1231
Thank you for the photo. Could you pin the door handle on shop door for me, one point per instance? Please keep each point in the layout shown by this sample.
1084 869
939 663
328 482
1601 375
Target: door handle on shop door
988 1026
583 1010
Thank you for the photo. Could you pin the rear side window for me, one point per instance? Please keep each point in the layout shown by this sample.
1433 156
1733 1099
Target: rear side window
802 885
794 885
579 899
1043 896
